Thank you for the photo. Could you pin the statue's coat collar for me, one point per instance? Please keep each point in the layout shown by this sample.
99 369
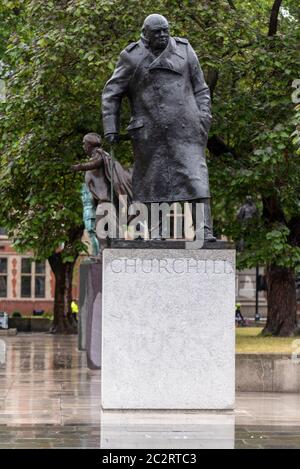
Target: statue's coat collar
170 58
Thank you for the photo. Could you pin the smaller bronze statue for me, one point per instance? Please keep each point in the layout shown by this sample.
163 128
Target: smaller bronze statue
98 172
97 188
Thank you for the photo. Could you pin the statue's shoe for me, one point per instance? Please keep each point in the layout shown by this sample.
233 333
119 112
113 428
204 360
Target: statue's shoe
209 237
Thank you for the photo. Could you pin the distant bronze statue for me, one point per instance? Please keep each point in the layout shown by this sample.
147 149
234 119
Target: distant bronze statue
170 117
246 214
98 172
247 211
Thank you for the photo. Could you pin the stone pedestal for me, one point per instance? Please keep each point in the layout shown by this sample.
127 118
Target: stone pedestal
90 305
93 326
83 302
168 329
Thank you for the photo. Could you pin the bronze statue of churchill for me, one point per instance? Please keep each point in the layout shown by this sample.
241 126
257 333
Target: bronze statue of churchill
170 116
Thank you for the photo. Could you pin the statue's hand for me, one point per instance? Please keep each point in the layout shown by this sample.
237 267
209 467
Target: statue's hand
205 121
112 138
203 131
76 167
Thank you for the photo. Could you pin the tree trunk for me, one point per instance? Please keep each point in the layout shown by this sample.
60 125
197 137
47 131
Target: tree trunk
273 24
63 322
282 304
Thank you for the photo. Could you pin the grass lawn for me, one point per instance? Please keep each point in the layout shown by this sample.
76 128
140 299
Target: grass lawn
249 340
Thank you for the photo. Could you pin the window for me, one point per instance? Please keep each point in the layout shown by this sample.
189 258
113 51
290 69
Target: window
40 279
3 277
26 269
33 279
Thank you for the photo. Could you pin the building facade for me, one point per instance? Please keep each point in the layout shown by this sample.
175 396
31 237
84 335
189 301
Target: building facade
25 285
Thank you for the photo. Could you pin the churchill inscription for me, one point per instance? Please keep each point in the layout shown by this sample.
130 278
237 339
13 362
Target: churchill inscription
170 266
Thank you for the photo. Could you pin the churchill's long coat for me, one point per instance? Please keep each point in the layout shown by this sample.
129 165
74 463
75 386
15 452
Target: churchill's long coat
170 108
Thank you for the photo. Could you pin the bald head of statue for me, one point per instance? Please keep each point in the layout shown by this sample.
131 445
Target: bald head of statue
155 31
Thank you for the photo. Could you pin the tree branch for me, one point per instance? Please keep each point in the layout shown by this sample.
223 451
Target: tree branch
232 5
273 24
294 226
212 79
218 147
272 210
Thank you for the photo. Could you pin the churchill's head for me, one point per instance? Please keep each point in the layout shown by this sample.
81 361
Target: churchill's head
156 31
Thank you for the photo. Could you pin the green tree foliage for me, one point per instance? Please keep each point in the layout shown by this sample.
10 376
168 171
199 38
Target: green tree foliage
60 53
255 117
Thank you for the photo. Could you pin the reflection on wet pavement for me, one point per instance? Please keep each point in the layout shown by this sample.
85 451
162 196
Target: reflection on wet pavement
49 399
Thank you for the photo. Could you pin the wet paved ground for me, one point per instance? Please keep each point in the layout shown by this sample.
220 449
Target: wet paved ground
49 399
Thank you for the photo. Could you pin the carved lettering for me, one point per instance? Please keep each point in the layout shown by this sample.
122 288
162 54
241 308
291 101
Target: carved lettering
147 269
228 268
130 266
219 267
171 266
192 266
163 265
177 268
116 266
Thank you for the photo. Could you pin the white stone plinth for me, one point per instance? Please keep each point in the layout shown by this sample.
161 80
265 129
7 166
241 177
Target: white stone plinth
168 329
